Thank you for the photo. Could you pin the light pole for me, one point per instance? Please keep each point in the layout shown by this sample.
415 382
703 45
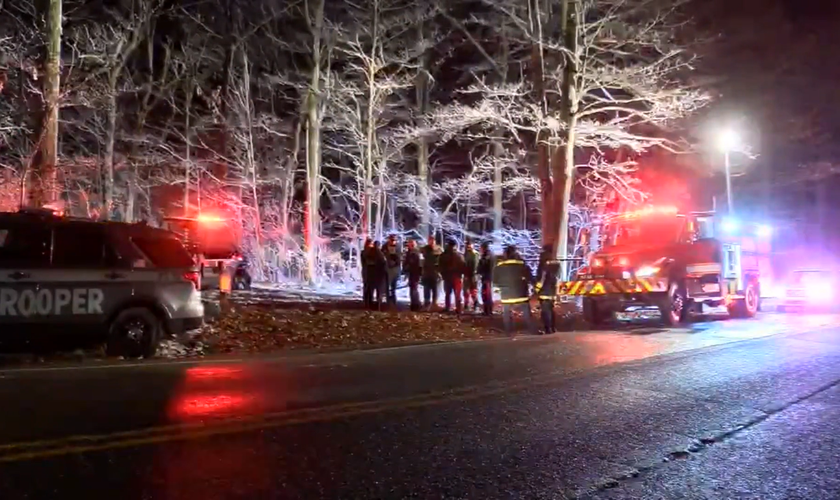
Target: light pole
728 141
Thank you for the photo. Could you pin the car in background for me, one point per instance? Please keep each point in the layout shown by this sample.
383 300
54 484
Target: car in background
810 289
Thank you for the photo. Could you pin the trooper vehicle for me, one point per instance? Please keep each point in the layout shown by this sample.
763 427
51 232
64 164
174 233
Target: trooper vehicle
129 284
659 263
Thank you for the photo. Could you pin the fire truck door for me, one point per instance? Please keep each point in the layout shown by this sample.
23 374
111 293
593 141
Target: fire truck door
732 267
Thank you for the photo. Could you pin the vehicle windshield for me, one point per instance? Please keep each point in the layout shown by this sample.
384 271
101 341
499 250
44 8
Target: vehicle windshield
644 231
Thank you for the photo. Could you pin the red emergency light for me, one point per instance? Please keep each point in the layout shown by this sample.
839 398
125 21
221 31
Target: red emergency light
210 219
650 210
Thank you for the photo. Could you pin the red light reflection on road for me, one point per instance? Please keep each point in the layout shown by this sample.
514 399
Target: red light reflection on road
211 405
214 372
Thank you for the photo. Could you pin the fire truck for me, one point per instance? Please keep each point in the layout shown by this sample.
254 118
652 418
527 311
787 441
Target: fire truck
660 263
214 242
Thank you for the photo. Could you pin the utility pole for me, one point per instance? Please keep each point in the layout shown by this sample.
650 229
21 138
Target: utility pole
44 187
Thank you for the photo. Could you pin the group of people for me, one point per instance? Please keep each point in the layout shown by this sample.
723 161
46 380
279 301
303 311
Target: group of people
465 275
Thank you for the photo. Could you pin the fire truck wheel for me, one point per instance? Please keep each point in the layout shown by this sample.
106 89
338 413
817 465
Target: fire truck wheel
592 313
674 306
748 306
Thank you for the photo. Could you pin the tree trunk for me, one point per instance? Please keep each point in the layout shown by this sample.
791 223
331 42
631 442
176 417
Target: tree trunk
370 124
289 180
45 188
252 175
569 109
313 145
110 141
423 175
190 90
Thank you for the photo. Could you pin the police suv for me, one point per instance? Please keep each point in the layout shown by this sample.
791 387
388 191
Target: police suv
128 283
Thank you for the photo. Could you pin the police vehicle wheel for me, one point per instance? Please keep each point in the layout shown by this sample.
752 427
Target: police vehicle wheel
134 333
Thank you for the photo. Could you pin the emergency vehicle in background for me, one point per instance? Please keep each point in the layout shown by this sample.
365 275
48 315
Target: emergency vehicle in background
809 289
215 243
659 263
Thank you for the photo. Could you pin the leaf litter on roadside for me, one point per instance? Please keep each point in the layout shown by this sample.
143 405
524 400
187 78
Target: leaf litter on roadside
258 329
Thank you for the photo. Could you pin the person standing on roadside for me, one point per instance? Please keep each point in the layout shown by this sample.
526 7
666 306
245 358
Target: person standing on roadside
413 269
380 276
452 271
470 276
392 269
546 286
431 272
513 277
368 262
486 264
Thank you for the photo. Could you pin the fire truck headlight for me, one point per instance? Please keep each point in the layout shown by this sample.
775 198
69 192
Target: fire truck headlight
647 271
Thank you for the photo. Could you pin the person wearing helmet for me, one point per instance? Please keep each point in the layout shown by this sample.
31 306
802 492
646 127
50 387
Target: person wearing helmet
513 278
546 286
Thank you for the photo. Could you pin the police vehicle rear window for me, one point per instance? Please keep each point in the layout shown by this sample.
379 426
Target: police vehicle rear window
164 252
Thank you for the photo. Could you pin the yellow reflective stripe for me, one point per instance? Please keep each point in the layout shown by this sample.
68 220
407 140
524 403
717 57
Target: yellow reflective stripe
509 261
575 286
646 284
546 297
514 301
598 289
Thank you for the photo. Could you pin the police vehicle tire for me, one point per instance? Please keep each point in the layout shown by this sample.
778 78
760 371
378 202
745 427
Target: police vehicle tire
134 333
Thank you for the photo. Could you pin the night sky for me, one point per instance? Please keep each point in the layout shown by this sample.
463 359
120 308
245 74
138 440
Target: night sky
778 64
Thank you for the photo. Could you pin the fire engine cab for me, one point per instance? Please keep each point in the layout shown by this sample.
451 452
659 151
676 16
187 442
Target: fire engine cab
659 263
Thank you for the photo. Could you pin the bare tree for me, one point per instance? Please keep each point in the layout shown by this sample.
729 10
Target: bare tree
104 50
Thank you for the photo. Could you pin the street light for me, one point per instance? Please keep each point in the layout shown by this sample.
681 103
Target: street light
728 140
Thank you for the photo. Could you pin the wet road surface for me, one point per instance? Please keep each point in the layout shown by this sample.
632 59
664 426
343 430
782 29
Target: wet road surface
717 410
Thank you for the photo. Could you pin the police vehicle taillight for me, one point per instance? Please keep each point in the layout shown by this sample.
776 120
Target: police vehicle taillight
194 277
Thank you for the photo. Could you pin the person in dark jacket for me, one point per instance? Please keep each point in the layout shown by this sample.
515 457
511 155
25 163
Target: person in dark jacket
368 263
392 269
470 276
380 276
413 269
452 272
486 264
431 272
546 286
513 278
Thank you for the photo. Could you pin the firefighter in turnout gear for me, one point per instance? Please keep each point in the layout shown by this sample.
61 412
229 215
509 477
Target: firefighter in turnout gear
470 276
452 271
513 278
431 272
413 269
486 264
392 269
546 286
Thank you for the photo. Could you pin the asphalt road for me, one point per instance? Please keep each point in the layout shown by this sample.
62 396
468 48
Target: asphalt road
735 409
